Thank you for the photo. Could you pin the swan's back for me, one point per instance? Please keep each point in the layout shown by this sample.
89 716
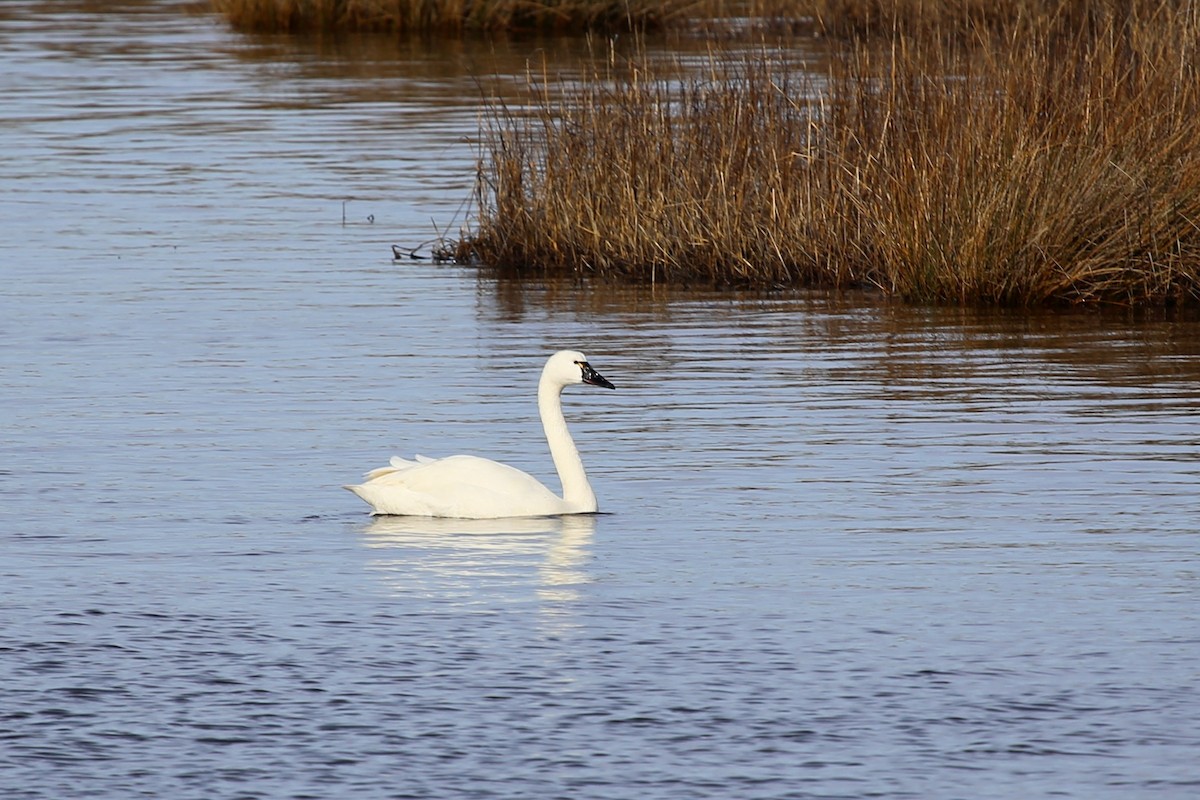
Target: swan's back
469 487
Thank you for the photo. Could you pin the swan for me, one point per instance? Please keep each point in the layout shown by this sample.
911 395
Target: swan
470 487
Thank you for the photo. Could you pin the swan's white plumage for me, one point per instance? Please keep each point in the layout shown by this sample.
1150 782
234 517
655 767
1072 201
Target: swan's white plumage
471 487
457 486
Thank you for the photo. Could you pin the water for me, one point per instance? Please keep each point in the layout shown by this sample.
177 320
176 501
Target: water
849 550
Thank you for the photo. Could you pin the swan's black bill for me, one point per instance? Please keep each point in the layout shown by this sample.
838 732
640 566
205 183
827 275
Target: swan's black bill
594 378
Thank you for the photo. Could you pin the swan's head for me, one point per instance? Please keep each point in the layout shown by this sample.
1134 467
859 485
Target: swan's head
571 366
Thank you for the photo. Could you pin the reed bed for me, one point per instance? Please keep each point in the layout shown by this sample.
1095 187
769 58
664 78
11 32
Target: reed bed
1058 166
452 16
841 19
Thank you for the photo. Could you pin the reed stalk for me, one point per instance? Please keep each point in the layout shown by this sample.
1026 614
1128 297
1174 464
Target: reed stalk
1061 165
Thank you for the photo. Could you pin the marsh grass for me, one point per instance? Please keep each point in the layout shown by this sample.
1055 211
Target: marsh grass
452 16
1054 166
838 19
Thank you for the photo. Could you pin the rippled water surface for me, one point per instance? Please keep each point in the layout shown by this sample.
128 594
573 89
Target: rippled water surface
848 550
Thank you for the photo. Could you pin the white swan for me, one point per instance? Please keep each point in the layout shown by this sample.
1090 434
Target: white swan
469 487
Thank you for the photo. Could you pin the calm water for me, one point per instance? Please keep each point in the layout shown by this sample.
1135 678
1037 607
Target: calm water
850 550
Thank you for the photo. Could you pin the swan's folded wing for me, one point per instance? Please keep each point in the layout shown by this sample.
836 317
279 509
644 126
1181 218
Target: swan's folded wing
457 486
462 473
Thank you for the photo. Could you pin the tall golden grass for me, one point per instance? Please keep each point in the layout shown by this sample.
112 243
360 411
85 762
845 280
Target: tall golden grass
1057 165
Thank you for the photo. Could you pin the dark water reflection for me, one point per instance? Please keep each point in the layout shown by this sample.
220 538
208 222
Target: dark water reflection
850 549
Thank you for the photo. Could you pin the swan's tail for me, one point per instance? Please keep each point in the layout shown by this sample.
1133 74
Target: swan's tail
366 493
389 498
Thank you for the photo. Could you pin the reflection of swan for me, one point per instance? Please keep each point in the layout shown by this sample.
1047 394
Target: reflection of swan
464 557
470 487
562 570
392 530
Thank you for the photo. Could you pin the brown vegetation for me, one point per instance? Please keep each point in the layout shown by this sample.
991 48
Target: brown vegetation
1060 164
451 16
954 19
842 19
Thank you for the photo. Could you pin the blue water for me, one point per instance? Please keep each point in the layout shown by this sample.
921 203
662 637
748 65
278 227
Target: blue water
848 549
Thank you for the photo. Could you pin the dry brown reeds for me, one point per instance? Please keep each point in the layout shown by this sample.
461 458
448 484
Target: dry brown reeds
1054 166
841 19
451 16
950 19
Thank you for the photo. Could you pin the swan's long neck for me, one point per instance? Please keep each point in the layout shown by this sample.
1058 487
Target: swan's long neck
577 492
